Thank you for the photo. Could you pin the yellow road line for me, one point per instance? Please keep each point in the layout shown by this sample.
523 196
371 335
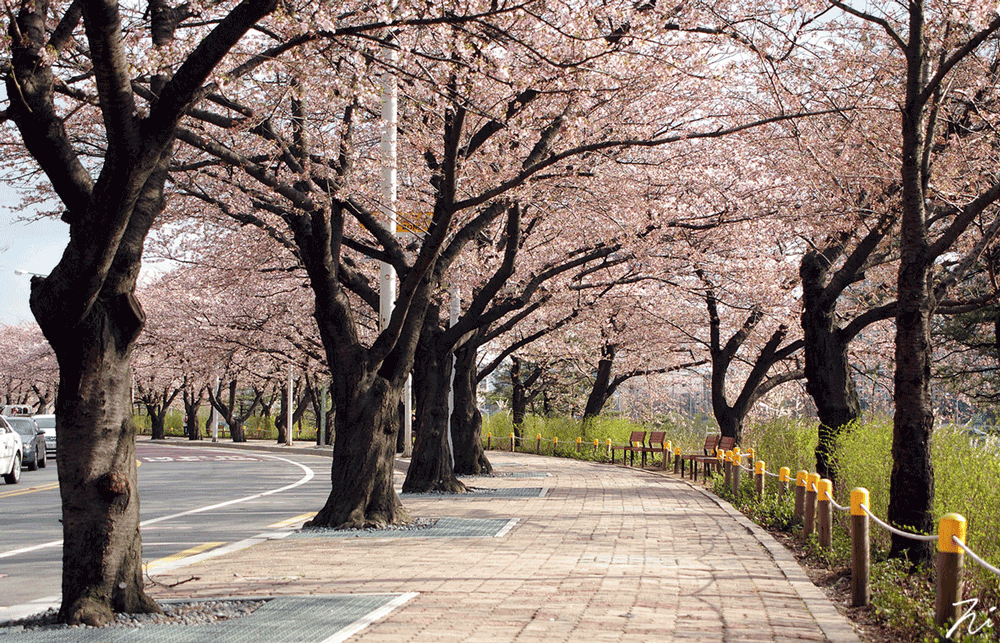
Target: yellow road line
22 491
292 521
183 554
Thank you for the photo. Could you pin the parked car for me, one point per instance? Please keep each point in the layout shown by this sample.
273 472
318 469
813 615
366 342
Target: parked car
10 453
48 424
16 410
32 441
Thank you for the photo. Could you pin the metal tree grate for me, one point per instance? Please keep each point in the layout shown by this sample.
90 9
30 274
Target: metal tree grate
285 619
447 527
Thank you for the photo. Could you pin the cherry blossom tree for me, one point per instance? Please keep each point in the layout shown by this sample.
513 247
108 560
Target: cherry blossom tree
941 52
28 365
86 306
515 107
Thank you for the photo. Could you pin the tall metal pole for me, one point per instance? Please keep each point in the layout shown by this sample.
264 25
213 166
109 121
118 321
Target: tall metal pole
454 312
387 274
291 410
215 414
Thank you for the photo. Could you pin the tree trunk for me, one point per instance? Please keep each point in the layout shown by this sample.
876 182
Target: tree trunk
599 392
730 423
466 420
827 369
911 483
192 404
431 464
518 397
157 422
102 547
363 456
281 420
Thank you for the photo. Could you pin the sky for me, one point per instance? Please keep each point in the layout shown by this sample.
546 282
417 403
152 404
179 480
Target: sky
34 246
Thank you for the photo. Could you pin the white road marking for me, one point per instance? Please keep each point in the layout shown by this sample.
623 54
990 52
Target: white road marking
308 475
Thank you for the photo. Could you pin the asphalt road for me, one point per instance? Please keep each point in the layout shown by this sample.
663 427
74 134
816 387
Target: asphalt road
194 500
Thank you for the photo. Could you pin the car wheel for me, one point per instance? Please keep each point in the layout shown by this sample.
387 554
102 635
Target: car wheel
15 471
42 463
34 462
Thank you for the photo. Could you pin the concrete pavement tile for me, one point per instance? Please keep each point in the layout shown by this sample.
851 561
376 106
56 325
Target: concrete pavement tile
609 554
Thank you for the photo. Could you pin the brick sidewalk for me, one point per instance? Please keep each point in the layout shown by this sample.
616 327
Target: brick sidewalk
606 553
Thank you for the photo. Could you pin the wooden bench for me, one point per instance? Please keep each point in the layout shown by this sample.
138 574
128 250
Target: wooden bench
655 444
636 444
711 441
725 443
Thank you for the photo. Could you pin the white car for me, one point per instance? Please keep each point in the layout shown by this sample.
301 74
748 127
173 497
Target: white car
48 424
11 453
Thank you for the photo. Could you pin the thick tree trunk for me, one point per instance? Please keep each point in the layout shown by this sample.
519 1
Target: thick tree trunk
827 368
829 382
363 456
192 404
157 422
431 464
466 420
599 392
730 423
911 488
911 483
102 548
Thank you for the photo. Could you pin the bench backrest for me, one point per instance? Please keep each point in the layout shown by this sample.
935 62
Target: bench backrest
637 437
726 443
657 437
710 442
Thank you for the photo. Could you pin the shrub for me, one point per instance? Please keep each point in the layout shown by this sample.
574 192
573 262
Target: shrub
784 442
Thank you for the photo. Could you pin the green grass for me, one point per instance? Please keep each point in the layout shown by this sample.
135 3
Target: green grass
966 478
568 430
257 427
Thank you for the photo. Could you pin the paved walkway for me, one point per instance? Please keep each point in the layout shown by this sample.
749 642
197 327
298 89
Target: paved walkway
586 552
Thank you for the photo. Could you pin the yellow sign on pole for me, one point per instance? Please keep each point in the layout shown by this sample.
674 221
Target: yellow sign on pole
414 222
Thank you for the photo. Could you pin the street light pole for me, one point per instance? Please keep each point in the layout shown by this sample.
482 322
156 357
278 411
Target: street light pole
387 274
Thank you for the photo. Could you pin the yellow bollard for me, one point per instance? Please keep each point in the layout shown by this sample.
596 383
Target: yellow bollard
555 443
800 494
860 549
579 441
758 477
812 490
538 443
609 446
824 513
728 470
512 443
951 559
678 463
596 442
737 468
784 473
